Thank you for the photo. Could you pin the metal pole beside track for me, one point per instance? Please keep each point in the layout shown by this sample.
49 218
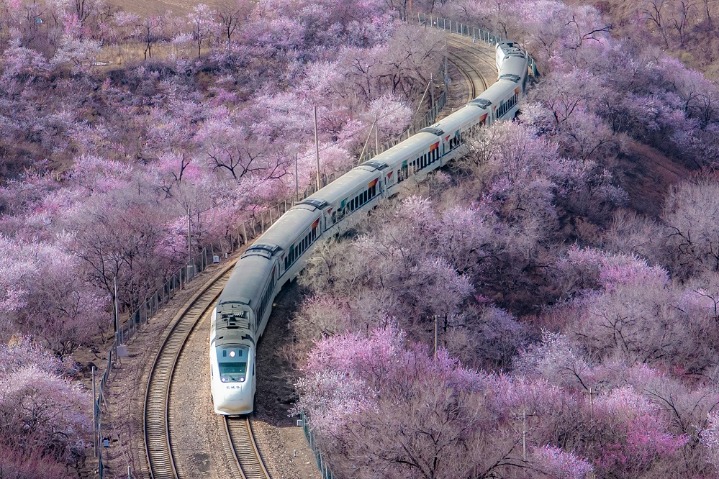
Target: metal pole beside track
94 414
317 153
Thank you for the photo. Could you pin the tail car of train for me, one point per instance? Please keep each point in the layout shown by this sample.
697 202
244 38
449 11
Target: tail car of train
243 308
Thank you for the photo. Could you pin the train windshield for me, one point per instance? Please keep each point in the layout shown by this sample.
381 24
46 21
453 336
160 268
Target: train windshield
232 362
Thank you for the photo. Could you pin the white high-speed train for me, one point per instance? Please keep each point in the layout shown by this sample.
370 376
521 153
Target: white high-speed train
243 308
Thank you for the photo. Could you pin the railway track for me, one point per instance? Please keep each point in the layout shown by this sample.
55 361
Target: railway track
244 448
243 457
473 63
158 446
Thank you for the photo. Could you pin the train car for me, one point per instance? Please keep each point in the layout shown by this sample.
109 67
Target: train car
243 308
234 335
277 256
355 191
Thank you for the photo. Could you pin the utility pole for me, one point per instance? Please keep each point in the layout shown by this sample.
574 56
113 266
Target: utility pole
190 266
317 153
94 414
431 91
376 137
297 182
435 337
524 436
117 313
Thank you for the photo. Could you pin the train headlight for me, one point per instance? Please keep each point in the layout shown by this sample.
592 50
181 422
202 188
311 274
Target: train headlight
232 354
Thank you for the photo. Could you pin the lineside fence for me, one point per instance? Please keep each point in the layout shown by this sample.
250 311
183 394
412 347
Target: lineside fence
242 234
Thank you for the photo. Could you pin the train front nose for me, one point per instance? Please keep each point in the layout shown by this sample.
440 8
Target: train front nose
235 399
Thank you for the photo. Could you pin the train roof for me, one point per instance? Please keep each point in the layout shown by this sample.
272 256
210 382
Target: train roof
515 65
403 150
231 336
246 282
285 230
459 119
345 185
498 92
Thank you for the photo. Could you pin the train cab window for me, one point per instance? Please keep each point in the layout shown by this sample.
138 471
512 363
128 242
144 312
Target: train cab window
233 365
232 372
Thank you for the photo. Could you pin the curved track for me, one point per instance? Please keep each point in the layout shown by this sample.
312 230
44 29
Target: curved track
473 62
244 448
158 446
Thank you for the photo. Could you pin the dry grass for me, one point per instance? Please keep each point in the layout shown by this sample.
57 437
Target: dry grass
161 7
129 53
